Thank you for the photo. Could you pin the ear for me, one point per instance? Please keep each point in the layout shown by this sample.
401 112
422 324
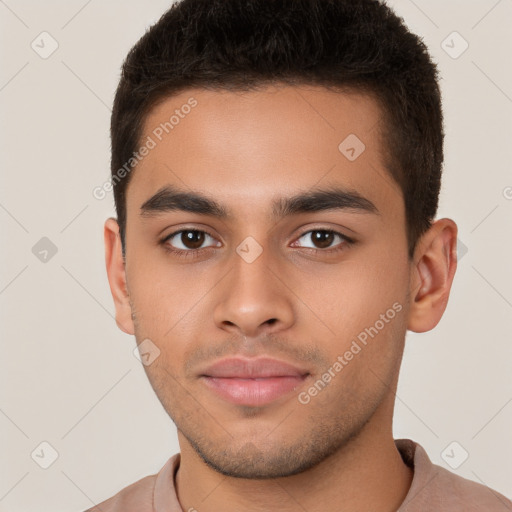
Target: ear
435 262
117 276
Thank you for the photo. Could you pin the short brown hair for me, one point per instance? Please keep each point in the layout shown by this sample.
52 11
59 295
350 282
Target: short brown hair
358 45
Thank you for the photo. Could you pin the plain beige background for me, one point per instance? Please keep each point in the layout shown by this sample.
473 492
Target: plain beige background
68 375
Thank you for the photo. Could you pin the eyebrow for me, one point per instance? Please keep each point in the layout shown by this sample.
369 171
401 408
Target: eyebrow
170 198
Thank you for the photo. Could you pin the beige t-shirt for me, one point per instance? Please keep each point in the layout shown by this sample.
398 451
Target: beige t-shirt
433 489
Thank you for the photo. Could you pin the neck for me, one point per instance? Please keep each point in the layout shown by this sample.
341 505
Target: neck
367 473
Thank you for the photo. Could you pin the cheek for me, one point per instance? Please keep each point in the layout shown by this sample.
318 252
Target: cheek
163 295
353 295
361 314
172 310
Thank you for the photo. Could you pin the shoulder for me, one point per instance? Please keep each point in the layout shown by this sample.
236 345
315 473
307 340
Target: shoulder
153 492
435 488
461 493
137 497
144 494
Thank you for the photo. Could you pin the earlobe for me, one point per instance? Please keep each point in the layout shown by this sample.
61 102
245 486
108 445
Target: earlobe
432 275
117 276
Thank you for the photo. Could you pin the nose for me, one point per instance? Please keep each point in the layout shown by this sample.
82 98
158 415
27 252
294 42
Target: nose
254 299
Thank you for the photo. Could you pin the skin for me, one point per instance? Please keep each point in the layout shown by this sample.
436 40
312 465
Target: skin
244 150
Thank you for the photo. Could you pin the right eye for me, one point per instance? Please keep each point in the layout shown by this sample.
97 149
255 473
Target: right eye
187 240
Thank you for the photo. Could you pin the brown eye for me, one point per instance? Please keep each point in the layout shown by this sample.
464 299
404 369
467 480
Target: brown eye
322 239
192 239
188 239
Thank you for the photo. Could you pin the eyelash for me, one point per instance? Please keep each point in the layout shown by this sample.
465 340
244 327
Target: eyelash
195 253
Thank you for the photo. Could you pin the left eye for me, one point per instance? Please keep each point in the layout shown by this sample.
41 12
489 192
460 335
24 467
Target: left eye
322 238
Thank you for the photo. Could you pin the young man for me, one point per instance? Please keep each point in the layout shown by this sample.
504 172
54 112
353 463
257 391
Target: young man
276 167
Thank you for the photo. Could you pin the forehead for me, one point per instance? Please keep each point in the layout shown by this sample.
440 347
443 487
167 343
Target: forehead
250 146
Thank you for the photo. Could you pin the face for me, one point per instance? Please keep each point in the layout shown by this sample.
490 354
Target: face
276 328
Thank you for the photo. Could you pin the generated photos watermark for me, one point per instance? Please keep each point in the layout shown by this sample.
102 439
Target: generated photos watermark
355 348
163 129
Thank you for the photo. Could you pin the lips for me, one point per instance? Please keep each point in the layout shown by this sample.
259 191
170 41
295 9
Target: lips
252 382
